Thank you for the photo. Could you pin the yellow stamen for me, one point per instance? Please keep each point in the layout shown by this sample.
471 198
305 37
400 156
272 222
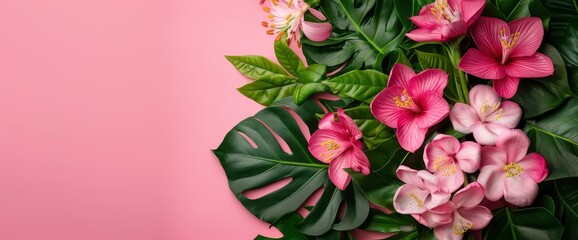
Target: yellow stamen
447 168
441 9
289 3
275 2
267 9
499 115
270 16
461 225
418 202
404 100
288 16
487 108
512 170
270 32
510 41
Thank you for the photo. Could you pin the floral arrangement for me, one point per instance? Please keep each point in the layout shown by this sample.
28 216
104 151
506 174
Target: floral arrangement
412 119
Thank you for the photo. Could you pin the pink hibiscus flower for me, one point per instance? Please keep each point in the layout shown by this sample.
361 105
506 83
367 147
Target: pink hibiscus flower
507 52
443 20
288 16
486 117
337 143
448 159
420 193
507 170
451 220
412 103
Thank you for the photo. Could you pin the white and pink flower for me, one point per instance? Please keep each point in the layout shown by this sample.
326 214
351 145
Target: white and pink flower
412 103
486 116
337 143
448 159
288 17
420 193
506 170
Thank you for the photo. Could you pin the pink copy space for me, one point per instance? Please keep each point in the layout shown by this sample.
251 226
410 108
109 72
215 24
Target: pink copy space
108 109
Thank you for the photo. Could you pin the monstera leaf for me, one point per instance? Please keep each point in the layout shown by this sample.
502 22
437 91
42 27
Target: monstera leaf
288 226
567 205
521 224
364 32
253 158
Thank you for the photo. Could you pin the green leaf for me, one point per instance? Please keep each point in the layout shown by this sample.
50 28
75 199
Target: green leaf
516 9
545 201
378 221
288 59
555 136
374 132
434 60
313 73
521 224
406 9
287 226
573 79
567 206
248 168
257 67
568 43
491 10
361 85
268 90
561 12
537 96
364 33
303 92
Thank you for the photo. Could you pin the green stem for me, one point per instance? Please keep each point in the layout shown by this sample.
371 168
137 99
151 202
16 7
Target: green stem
455 57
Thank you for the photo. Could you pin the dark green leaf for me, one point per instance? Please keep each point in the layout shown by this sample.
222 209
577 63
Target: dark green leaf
561 13
567 205
364 32
568 43
573 79
305 91
434 60
288 59
374 132
268 90
257 67
521 224
287 226
359 85
545 201
378 221
491 10
249 168
313 73
537 96
555 136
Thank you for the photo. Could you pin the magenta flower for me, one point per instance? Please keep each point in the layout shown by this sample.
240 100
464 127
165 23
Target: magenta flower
289 17
507 52
412 103
448 159
420 193
337 143
462 213
507 170
443 20
487 117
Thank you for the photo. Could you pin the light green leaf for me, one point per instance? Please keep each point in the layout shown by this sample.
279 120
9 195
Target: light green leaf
268 90
361 85
257 67
374 132
288 59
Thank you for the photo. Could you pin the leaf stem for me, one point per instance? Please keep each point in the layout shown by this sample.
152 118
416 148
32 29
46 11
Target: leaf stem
455 57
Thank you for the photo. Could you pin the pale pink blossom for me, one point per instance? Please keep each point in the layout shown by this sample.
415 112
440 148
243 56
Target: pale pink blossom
448 159
507 52
337 143
486 116
288 17
507 171
443 20
412 103
454 218
420 193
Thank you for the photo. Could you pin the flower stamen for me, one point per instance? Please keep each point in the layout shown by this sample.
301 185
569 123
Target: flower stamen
415 200
404 100
512 170
445 165
461 225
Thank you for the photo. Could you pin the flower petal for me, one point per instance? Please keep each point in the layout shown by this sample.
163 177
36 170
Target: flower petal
487 133
515 143
471 10
479 215
469 196
520 190
317 32
531 34
485 33
454 29
409 134
441 148
450 181
509 116
463 118
534 66
437 199
446 232
425 21
481 65
400 76
469 156
535 166
348 126
327 145
492 177
507 86
425 35
317 14
434 109
337 175
432 219
493 156
409 176
429 80
409 199
359 161
482 98
383 106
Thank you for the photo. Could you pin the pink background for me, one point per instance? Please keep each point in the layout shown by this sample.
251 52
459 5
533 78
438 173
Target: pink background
108 109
